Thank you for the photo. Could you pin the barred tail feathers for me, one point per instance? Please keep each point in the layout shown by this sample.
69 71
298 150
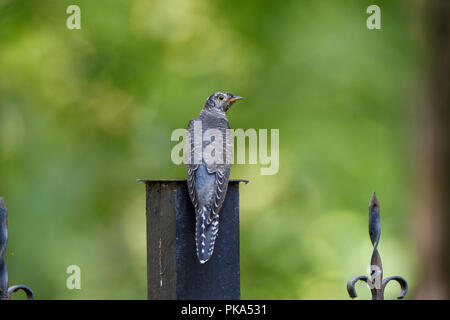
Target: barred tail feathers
205 233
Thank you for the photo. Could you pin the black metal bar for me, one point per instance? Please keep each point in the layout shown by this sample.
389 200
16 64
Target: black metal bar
375 281
173 269
5 292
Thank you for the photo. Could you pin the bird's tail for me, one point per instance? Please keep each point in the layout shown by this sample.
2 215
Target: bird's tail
206 229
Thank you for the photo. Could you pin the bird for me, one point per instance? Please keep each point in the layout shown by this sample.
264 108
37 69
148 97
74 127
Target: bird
207 179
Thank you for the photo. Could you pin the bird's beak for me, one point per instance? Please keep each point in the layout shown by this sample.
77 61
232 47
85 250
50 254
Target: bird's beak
234 98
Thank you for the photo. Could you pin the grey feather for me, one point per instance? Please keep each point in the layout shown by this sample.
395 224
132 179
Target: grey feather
208 182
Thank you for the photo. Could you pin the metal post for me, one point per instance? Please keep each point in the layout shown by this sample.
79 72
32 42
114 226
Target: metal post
376 282
173 269
5 292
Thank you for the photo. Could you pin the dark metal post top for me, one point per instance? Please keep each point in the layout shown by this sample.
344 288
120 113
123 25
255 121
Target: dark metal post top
184 180
173 269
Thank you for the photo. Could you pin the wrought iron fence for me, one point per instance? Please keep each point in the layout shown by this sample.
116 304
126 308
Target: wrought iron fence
376 282
5 291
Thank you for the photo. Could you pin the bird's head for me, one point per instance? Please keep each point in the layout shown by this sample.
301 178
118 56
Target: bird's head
221 101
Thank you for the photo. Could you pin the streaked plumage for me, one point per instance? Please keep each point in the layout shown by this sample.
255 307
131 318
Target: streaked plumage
208 181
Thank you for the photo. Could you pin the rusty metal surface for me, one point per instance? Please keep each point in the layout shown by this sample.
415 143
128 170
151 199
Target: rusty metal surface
5 292
376 282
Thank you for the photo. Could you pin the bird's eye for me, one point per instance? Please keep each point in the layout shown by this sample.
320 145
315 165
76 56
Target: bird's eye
220 97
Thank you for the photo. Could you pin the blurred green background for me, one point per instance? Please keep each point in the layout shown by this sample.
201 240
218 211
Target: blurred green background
84 113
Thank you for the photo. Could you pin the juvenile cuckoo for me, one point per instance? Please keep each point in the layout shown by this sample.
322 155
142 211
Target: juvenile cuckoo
208 168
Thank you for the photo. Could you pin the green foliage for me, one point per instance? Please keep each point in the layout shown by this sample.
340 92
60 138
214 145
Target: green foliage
84 113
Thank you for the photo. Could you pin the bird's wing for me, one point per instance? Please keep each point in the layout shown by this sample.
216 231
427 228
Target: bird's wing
191 186
207 185
222 171
220 191
216 191
191 167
